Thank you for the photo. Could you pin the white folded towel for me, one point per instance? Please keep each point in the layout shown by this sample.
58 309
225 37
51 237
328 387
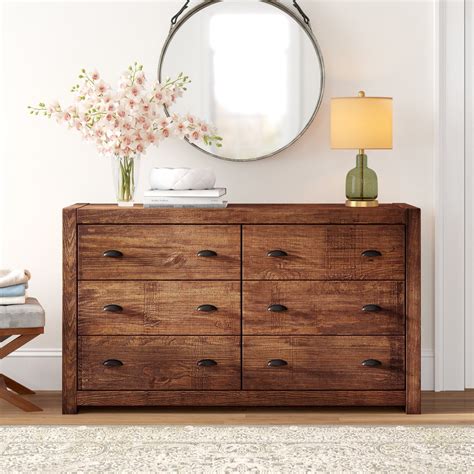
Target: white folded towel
12 300
13 277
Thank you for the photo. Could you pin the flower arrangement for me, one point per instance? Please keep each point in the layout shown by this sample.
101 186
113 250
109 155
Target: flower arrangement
123 123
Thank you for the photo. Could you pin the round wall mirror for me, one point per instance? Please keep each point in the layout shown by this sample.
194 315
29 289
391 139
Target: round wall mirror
257 74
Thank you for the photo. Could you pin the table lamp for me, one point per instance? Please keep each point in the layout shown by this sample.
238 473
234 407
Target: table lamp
361 123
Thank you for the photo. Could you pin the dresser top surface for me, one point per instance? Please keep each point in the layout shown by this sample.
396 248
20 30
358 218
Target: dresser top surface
244 214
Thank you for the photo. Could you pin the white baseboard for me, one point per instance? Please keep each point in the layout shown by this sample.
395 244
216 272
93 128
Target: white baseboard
40 369
427 370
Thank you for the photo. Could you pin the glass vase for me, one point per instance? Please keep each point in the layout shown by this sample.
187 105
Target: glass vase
125 175
361 181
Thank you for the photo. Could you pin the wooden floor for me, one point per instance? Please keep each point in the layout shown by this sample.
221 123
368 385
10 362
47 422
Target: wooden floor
437 408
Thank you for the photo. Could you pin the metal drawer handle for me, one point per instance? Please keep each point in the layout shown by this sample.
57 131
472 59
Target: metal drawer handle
371 363
207 363
207 308
207 253
371 253
277 363
113 253
277 308
371 308
277 253
112 363
113 308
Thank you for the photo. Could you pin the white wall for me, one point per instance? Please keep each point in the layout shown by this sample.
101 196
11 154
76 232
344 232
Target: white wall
469 196
385 48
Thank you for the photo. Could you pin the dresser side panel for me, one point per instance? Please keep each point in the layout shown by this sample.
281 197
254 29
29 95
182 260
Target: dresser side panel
69 330
413 311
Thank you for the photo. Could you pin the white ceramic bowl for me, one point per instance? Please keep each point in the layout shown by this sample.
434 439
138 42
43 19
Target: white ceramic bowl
182 178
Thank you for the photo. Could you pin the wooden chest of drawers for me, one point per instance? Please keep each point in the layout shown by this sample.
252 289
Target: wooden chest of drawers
253 305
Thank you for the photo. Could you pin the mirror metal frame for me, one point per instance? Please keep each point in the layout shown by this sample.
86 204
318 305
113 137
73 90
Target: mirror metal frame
274 3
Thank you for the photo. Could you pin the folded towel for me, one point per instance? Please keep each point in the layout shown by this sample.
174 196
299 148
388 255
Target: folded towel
14 290
13 277
12 300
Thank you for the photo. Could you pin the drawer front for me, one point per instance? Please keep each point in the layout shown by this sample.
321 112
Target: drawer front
324 252
159 363
159 252
323 363
320 307
159 307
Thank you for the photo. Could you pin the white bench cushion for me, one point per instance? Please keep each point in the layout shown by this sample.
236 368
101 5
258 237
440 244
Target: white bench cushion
28 315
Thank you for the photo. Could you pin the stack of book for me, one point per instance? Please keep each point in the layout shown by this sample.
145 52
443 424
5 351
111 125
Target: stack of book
203 198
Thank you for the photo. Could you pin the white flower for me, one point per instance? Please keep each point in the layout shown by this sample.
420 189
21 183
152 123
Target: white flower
195 135
140 78
165 132
101 87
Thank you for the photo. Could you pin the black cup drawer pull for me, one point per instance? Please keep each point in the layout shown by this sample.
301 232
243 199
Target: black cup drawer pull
277 363
371 253
207 363
112 363
113 308
207 253
277 253
113 253
277 308
207 308
371 308
371 363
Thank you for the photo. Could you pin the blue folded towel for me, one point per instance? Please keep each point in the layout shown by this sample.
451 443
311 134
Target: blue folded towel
14 290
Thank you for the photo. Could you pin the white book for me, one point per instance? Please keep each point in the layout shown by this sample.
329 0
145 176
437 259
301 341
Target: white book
216 205
181 200
215 192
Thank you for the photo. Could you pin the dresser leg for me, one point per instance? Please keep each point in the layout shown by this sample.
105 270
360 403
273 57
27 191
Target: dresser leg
413 408
70 410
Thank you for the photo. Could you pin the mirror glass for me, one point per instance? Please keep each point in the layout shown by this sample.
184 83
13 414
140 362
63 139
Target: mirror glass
256 73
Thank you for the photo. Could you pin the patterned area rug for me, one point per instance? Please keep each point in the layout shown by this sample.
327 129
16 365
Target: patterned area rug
229 449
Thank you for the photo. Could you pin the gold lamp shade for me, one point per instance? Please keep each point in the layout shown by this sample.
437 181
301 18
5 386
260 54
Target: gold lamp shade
361 122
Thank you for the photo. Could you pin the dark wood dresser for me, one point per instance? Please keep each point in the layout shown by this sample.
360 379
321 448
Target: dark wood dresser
253 305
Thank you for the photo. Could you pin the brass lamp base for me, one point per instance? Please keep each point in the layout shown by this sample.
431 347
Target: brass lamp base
373 203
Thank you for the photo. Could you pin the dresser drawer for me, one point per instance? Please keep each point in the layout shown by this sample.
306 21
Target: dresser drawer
323 363
159 363
159 252
323 307
324 252
159 307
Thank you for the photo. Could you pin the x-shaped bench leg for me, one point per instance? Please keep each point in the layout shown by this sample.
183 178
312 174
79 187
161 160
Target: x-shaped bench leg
6 387
15 344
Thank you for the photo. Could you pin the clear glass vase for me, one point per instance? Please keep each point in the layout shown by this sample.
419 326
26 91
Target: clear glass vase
125 174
